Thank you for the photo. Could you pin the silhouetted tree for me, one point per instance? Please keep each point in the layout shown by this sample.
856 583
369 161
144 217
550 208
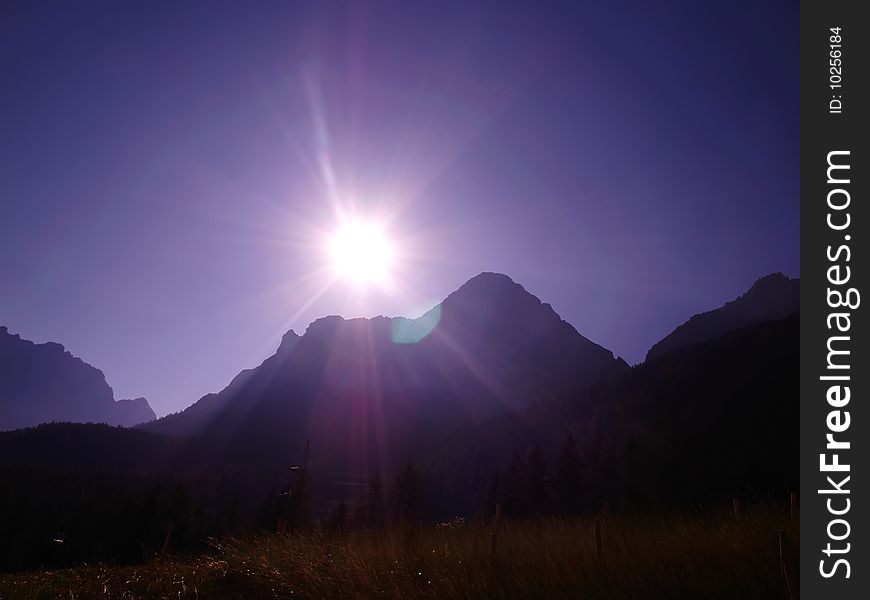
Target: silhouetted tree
360 518
300 501
268 512
341 515
538 483
407 493
148 515
637 467
299 509
179 515
484 509
375 504
337 519
515 497
568 478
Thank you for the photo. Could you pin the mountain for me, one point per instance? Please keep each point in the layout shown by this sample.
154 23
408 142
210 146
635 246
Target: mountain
367 392
681 429
772 297
41 383
195 417
489 374
134 411
685 426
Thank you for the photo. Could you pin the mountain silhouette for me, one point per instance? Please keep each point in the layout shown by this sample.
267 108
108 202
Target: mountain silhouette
373 389
688 425
772 297
489 374
41 383
135 411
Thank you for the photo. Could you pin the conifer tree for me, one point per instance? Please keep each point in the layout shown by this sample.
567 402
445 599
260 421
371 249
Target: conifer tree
375 503
407 493
568 478
300 501
515 489
538 484
339 516
485 508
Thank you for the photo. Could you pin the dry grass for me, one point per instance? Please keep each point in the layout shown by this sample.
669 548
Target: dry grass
706 557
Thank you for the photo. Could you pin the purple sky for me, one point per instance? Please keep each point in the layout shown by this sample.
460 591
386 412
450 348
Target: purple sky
163 167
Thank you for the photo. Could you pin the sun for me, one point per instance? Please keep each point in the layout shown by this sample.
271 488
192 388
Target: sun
362 253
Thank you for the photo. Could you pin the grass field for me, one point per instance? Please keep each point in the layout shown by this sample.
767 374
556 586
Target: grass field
707 556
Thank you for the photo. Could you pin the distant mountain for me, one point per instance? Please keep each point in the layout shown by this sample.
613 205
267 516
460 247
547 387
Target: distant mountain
41 383
134 411
370 391
772 297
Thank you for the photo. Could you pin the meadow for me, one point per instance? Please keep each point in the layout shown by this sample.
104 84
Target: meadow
711 554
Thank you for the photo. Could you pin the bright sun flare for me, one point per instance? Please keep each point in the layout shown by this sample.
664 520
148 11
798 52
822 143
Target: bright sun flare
362 253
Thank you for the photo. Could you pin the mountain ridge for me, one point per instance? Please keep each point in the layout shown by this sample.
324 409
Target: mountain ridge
489 346
771 297
45 382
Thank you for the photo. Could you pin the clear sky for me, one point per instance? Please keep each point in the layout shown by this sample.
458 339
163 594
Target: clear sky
168 169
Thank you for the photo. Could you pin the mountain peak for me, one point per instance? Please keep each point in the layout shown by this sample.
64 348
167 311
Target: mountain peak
770 284
327 322
488 291
288 342
490 281
776 277
491 276
134 411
